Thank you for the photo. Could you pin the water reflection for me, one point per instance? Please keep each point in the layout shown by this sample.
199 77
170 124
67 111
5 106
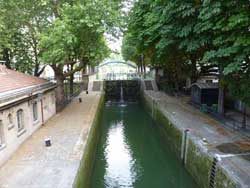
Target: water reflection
132 153
119 161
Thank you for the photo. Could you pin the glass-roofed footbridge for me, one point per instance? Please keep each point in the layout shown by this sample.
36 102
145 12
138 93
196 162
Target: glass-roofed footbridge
117 70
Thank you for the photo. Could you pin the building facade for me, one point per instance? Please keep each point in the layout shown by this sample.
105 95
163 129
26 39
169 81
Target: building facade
26 103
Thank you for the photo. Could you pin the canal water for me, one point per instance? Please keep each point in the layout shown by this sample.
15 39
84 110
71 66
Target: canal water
132 154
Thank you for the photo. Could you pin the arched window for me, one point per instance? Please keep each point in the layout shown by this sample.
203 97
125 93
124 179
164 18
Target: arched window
2 141
35 112
10 119
20 120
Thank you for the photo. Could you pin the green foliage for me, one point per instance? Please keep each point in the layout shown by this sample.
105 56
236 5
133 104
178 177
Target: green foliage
38 32
21 23
78 32
185 37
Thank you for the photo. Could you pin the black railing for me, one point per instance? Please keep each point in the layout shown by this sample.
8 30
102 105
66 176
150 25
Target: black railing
77 88
227 121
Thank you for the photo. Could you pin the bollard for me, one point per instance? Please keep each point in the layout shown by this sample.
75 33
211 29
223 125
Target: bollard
80 100
47 142
184 146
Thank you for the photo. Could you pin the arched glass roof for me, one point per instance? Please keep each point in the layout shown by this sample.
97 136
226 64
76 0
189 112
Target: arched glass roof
129 63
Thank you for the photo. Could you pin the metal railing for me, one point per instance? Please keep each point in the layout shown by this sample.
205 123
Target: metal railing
227 121
118 76
77 89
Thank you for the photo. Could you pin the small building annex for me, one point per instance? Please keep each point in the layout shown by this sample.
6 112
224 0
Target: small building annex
204 93
26 102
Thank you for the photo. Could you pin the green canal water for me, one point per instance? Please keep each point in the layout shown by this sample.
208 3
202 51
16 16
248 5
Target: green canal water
131 153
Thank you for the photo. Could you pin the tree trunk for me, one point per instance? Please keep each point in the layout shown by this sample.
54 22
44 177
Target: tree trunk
138 69
176 78
37 64
6 57
85 78
193 69
244 120
92 69
221 99
60 94
141 69
71 84
84 71
157 77
36 70
176 85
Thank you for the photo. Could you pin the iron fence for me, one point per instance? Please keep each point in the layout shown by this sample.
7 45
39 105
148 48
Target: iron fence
227 121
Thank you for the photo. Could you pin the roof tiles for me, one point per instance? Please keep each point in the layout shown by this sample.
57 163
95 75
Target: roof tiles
12 80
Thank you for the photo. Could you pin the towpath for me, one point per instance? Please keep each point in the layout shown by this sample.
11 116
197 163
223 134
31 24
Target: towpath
35 166
233 148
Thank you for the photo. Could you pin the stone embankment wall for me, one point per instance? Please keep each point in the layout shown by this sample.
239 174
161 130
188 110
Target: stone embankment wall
83 177
198 161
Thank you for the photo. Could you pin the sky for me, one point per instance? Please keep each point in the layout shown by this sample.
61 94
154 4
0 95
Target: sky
114 43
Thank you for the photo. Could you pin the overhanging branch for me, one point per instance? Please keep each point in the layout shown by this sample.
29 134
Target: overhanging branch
78 68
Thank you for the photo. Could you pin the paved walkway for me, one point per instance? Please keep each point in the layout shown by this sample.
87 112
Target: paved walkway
37 166
219 140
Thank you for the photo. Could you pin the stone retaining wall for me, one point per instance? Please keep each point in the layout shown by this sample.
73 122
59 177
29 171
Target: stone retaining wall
199 159
83 178
131 90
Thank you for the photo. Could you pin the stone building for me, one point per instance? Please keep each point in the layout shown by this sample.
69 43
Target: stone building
26 103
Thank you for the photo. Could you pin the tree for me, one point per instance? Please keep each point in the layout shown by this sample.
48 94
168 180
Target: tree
228 24
76 37
60 33
163 33
189 38
22 22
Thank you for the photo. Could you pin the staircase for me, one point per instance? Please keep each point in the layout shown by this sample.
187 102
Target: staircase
148 85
